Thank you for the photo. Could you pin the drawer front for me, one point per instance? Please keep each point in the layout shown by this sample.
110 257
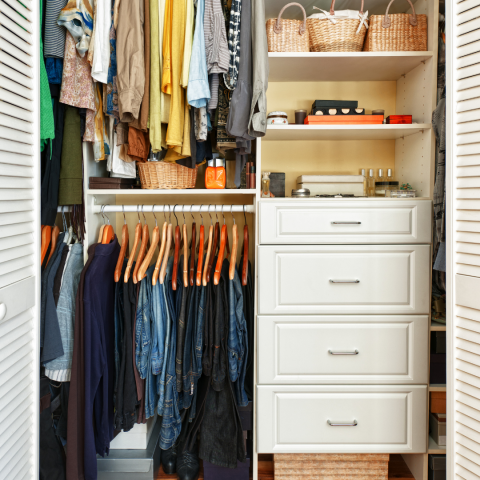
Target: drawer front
317 221
356 279
353 419
344 350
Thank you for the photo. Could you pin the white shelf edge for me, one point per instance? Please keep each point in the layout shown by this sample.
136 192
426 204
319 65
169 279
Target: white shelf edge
348 54
139 191
434 448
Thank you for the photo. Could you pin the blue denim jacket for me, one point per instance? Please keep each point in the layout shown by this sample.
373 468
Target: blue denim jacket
237 340
143 326
159 325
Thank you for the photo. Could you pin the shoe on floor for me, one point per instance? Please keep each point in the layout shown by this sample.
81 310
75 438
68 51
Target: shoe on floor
169 460
188 465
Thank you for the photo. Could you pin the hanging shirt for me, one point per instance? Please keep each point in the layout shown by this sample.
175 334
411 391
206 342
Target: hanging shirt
155 132
167 48
187 51
101 48
216 46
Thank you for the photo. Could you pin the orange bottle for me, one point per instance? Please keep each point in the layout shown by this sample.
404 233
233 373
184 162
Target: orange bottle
215 174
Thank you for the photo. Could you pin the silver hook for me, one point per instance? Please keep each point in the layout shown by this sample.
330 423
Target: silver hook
211 219
244 215
231 212
102 208
200 212
124 219
164 216
183 213
144 219
169 214
175 215
191 206
138 213
105 215
156 224
223 215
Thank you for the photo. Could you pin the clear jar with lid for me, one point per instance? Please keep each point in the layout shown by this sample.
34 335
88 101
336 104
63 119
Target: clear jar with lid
266 184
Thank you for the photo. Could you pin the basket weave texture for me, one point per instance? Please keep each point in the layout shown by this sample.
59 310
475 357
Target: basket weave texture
340 37
288 35
399 32
166 176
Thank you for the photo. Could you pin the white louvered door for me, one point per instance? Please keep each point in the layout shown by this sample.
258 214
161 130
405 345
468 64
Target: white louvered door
463 239
19 238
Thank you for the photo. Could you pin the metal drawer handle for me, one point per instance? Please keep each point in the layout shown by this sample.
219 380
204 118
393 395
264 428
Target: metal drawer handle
341 424
331 352
344 281
346 223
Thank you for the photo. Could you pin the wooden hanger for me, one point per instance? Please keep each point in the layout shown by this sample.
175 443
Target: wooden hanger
143 249
175 255
216 234
142 271
233 256
102 227
46 238
161 252
221 252
200 252
205 278
136 241
54 238
163 271
123 249
227 242
108 233
193 245
245 251
185 256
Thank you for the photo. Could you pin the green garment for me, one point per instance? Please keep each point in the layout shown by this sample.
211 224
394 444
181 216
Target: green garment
47 126
70 186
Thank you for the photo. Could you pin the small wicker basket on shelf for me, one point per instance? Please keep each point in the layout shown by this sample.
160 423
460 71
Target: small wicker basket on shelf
345 35
399 32
166 176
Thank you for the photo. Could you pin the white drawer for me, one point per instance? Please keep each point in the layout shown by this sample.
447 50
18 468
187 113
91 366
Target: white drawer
295 419
316 221
310 350
389 279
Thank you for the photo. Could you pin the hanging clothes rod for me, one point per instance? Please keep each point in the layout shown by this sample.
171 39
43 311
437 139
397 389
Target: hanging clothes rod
178 208
65 209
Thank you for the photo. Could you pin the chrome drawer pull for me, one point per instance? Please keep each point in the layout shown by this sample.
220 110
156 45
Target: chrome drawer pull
332 424
346 223
331 352
344 281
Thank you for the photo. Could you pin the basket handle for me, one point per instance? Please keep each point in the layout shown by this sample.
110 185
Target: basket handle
332 10
412 17
278 26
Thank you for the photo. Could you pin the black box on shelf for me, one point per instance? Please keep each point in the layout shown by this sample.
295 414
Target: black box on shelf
438 368
439 342
277 184
437 467
335 104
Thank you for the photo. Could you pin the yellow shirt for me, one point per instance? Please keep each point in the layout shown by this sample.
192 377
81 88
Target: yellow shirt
167 48
164 97
187 51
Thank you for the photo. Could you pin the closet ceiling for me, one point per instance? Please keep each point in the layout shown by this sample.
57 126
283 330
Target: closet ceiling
374 7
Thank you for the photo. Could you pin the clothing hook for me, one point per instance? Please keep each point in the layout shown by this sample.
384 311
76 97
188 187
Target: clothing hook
216 214
169 214
175 214
144 219
200 212
183 213
164 216
231 212
191 206
223 215
156 224
124 219
244 215
138 213
211 219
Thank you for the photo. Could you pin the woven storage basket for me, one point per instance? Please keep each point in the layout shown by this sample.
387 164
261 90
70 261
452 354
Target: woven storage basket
342 36
167 176
399 32
287 35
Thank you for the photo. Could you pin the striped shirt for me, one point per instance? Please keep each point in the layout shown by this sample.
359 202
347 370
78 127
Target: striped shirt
54 41
216 45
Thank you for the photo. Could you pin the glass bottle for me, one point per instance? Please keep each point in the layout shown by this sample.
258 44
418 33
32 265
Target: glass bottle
370 184
265 184
362 173
380 184
390 175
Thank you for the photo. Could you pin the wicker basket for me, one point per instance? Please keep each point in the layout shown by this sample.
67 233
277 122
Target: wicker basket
166 176
399 32
287 35
346 35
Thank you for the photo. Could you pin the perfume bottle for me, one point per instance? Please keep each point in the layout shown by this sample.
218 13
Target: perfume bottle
362 173
265 184
370 184
390 175
380 184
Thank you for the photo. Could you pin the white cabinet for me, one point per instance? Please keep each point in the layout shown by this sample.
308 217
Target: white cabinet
359 279
354 349
341 419
319 221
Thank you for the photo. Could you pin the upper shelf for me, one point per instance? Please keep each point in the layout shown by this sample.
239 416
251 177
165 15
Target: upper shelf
342 66
189 191
342 132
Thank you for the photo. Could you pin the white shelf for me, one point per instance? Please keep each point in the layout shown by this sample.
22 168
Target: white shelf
437 327
434 448
190 191
342 132
343 66
437 387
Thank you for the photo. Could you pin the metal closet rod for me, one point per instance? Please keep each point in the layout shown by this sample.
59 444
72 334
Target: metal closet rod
147 208
65 209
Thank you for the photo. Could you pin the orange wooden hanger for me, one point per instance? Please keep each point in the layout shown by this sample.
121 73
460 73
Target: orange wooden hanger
108 233
55 234
143 249
161 252
200 251
163 271
205 278
233 256
245 251
123 249
136 242
185 254
46 238
193 245
228 243
216 235
175 255
148 258
221 252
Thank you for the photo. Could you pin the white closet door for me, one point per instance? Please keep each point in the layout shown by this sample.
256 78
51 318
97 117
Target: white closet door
19 238
463 241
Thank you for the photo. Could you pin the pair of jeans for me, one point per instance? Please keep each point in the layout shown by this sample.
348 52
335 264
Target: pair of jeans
143 325
171 421
118 318
237 345
181 307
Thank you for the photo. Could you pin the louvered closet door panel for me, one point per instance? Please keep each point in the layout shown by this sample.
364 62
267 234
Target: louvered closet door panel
464 387
19 238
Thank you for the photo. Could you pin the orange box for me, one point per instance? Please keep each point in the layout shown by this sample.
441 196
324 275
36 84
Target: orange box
344 120
438 402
